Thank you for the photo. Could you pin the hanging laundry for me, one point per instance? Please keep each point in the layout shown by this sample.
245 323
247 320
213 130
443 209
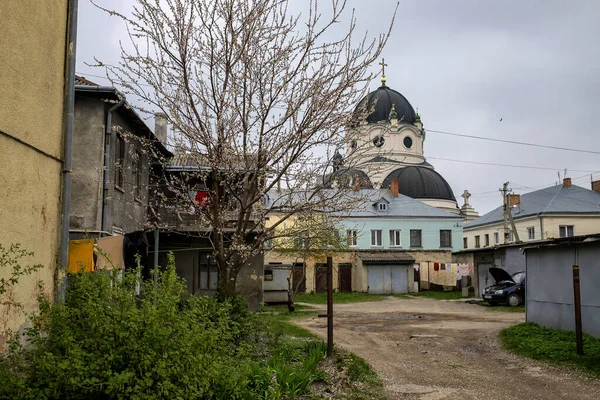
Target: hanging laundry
436 266
443 267
109 251
81 255
464 269
201 198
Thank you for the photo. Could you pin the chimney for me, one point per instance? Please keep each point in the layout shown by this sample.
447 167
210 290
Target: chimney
567 183
596 186
394 187
514 200
160 127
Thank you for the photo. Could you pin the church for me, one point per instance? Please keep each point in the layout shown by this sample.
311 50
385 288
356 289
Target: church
410 219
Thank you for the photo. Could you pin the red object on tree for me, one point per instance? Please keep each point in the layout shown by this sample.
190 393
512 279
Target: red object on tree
201 198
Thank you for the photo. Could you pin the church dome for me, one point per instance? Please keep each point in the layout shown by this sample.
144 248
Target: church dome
348 178
420 183
381 100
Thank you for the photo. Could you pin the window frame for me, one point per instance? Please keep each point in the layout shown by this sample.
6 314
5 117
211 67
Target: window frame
477 241
352 237
376 234
566 230
420 233
496 237
465 243
486 240
395 238
531 233
382 206
137 190
120 160
447 245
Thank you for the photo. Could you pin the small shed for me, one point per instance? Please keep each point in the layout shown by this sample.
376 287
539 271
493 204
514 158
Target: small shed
549 283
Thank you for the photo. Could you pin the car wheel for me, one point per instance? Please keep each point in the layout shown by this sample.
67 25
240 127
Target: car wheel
513 300
493 303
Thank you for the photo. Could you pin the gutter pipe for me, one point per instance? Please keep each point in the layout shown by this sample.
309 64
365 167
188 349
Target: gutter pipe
541 225
68 144
105 186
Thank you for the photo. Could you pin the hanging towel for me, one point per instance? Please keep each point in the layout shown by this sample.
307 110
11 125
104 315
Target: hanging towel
436 266
81 255
109 252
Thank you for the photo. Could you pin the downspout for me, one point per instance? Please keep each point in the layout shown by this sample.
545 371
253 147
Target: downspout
68 144
105 187
541 226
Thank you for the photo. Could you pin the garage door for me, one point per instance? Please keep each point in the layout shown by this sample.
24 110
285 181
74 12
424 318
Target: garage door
388 279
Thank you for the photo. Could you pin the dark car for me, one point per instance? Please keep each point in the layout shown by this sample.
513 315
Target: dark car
509 289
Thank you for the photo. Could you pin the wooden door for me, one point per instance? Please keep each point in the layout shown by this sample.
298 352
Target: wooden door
299 278
320 278
345 277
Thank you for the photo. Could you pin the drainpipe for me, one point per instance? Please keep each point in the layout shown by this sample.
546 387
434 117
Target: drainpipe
105 187
68 144
541 226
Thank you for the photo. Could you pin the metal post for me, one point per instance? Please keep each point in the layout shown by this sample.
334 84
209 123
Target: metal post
156 233
329 306
577 305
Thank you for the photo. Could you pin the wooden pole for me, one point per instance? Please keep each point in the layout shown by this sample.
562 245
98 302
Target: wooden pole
577 305
329 306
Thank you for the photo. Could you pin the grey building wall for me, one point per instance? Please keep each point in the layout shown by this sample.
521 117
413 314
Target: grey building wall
125 210
550 286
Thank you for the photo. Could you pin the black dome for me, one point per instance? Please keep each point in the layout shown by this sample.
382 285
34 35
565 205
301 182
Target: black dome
420 183
385 97
348 178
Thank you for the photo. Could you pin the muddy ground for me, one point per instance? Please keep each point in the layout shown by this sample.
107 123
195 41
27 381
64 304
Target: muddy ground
431 349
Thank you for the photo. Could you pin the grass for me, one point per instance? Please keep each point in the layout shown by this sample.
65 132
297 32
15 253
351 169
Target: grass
280 323
517 309
553 346
339 298
364 382
438 295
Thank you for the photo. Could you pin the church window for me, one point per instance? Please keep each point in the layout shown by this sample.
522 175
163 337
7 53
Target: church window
415 238
408 142
376 237
445 238
395 238
378 141
531 233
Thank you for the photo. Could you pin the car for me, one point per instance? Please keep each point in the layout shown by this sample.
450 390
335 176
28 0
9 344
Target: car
509 289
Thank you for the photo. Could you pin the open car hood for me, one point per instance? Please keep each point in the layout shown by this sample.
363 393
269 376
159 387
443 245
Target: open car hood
500 275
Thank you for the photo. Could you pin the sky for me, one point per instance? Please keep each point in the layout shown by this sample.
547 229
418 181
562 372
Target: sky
515 70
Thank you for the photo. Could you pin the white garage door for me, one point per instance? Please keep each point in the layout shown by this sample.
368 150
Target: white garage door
387 279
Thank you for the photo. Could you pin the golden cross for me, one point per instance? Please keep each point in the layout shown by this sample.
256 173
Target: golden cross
383 65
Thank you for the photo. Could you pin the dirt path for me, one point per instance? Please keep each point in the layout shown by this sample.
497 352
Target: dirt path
462 358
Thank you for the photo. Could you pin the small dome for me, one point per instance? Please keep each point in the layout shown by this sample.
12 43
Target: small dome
348 178
420 183
382 100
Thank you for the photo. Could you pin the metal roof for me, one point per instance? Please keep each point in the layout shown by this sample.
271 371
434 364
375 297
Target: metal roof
420 183
551 200
388 258
380 102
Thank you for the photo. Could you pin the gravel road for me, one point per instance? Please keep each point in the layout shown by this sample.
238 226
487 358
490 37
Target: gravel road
431 349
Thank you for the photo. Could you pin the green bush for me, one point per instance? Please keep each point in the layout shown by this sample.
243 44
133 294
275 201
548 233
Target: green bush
107 342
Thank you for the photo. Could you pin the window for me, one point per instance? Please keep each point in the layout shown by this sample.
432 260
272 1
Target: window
531 233
407 142
382 206
395 238
415 238
496 237
511 236
487 239
209 272
120 155
465 243
301 242
376 238
566 230
352 237
477 241
445 238
137 170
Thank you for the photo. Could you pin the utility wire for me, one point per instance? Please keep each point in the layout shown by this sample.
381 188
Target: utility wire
513 142
506 165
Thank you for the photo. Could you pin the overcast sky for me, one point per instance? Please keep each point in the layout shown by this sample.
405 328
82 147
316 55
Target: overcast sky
466 64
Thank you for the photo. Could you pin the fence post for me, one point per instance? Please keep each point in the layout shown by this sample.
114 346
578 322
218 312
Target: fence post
329 306
577 305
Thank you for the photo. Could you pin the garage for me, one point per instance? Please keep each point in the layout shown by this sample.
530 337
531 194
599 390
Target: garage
387 273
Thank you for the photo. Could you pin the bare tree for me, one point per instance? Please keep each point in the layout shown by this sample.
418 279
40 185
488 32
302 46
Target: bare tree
259 95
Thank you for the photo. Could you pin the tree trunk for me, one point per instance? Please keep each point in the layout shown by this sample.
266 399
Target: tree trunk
226 288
